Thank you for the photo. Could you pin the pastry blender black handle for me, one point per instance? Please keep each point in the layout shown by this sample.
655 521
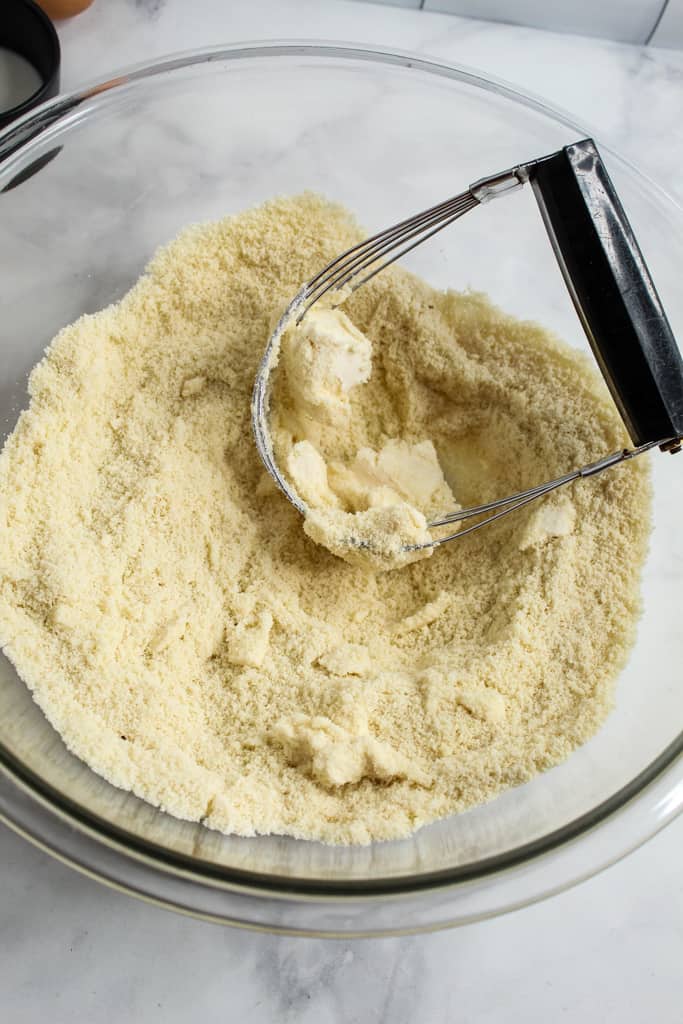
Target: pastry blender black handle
612 290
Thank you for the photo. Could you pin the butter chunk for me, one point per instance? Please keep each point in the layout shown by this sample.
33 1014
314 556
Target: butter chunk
399 471
553 518
308 472
410 470
249 643
324 358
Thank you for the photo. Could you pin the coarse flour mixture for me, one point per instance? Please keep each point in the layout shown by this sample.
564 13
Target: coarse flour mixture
191 643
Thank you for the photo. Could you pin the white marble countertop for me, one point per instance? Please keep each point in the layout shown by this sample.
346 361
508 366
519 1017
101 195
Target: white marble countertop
610 949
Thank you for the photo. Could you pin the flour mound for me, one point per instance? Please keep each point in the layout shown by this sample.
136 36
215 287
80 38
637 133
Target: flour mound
192 644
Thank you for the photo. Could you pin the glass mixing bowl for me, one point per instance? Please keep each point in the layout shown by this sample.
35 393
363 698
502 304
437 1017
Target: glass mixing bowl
133 160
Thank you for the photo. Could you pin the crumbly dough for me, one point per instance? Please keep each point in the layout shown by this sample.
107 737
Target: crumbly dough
191 643
374 509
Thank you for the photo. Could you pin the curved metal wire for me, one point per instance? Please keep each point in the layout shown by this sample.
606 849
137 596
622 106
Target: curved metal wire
354 261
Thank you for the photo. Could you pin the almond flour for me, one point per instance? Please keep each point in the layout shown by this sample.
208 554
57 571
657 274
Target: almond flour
192 644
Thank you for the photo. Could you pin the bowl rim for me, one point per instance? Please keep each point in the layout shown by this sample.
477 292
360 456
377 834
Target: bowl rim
16 144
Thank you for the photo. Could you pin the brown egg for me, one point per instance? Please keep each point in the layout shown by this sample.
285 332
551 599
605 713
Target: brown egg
64 8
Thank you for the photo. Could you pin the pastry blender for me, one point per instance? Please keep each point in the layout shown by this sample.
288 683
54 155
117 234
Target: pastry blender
608 281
